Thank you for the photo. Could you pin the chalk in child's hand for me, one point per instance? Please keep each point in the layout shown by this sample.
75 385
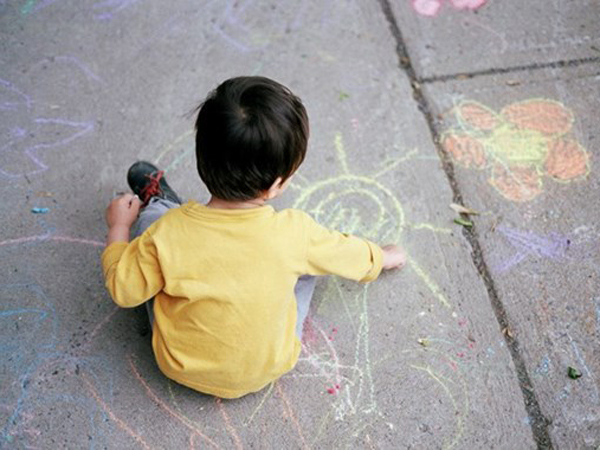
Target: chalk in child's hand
134 196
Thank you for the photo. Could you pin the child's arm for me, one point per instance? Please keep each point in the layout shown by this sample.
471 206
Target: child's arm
332 252
131 270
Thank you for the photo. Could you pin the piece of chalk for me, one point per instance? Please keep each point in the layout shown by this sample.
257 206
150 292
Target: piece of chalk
135 196
37 210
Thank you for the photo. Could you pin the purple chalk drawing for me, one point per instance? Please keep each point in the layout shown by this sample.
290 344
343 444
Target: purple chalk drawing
112 7
11 97
107 9
81 66
23 137
431 8
526 243
235 24
554 246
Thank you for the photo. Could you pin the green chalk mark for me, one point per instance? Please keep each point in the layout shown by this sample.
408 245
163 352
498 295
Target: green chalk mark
28 7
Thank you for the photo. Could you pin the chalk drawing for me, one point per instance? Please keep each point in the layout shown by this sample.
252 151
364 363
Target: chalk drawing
288 412
192 427
120 423
500 37
445 386
50 237
268 392
23 142
431 8
363 206
182 147
109 8
105 10
31 353
528 244
520 146
74 62
235 23
543 367
230 428
590 379
32 6
554 246
355 403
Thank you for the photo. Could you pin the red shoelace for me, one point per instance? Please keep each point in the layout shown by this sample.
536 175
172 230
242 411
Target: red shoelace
151 189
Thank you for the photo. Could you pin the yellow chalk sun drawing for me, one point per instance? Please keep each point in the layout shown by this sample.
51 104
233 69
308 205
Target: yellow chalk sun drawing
362 205
521 145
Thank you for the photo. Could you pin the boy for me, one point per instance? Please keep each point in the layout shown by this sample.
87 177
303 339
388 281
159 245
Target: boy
231 280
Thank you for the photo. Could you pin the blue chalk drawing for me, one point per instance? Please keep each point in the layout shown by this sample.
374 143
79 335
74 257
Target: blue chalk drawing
586 370
543 367
31 349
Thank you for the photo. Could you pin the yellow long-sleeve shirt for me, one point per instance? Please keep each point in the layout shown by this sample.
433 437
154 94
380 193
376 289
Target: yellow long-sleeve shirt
223 282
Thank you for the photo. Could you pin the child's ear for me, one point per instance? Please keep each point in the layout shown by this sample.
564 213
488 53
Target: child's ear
273 191
277 188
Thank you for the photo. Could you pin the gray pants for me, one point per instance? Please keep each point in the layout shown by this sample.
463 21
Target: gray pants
303 290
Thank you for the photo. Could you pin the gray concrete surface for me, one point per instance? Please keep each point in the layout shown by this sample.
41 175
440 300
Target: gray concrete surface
468 347
497 35
543 253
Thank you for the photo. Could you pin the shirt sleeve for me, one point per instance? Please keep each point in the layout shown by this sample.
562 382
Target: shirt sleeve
332 252
132 271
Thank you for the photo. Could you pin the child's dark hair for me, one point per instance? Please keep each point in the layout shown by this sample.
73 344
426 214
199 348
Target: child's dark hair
249 132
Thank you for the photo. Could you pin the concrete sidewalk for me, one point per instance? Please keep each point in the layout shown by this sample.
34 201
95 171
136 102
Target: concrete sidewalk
413 106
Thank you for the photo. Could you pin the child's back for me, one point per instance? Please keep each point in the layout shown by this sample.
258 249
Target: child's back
225 275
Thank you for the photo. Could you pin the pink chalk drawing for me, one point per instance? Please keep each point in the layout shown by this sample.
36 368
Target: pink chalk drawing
431 8
23 137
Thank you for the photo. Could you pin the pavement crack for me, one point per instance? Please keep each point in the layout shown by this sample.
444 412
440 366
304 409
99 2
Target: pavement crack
539 423
514 69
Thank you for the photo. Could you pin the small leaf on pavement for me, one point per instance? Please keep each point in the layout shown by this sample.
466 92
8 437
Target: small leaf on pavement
464 222
463 210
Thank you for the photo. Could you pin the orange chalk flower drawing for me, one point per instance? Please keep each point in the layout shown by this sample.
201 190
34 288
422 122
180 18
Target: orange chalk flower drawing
520 146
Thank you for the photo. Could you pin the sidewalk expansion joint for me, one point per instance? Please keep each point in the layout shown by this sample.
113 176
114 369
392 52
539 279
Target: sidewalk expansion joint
514 69
539 423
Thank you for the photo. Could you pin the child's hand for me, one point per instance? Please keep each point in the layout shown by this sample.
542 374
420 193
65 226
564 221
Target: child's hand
123 211
394 257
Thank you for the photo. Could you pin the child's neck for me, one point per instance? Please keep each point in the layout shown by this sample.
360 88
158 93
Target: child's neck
218 203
